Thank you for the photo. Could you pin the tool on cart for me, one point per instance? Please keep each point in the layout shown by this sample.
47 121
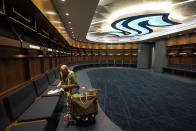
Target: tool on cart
82 108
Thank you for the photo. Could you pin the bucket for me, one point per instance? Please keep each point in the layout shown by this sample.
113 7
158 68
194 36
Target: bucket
92 91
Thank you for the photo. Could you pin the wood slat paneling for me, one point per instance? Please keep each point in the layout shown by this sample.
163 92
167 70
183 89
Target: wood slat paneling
53 63
186 60
35 67
182 40
46 64
192 38
174 59
12 73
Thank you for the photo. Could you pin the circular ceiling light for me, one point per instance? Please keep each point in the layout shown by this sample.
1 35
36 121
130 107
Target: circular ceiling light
67 14
69 22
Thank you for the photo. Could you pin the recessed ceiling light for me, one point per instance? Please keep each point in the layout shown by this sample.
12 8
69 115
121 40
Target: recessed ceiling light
67 14
69 22
55 21
71 28
63 0
60 27
50 12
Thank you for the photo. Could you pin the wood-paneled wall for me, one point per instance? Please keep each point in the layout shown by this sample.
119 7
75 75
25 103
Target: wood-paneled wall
35 68
17 71
12 72
182 40
19 66
181 49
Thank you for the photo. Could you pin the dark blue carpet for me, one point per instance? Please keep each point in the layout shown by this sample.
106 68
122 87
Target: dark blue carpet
142 101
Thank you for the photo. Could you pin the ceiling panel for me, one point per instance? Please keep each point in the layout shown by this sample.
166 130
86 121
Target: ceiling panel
92 20
80 15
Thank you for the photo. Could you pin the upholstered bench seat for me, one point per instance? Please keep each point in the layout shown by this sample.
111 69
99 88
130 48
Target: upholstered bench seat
44 108
56 71
56 82
21 103
3 120
18 101
51 77
52 88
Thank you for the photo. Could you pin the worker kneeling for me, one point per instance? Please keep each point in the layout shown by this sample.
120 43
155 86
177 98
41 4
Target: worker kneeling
68 80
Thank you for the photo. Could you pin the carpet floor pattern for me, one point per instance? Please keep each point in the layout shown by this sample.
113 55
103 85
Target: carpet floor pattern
137 100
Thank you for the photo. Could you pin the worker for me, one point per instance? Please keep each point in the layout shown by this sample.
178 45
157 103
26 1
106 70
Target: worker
68 80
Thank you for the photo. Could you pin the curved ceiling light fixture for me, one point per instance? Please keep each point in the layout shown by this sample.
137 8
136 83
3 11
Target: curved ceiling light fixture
139 25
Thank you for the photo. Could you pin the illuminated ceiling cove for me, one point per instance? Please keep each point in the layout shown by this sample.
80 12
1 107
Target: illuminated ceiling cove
136 20
139 25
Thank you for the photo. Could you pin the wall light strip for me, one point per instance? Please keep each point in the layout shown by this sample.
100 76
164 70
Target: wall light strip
34 47
49 49
182 53
171 54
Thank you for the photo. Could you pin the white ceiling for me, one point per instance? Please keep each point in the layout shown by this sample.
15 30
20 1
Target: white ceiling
91 19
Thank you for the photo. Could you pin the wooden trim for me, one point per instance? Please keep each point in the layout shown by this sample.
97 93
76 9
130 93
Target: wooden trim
21 123
3 13
35 25
13 89
3 6
4 41
25 56
2 94
27 46
24 18
17 21
43 35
